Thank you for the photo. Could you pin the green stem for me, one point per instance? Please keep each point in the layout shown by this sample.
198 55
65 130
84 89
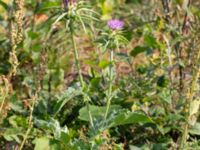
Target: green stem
109 96
76 55
30 123
189 101
4 93
3 101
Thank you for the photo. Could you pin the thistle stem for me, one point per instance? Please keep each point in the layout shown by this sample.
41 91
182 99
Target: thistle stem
109 96
76 55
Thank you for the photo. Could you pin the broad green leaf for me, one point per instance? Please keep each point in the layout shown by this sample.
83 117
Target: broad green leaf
165 96
117 119
16 105
96 111
162 81
33 35
52 126
130 118
17 121
36 47
137 50
150 40
12 134
160 146
103 64
49 5
4 5
95 82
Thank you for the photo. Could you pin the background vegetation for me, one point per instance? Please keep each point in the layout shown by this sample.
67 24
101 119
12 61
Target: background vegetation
69 81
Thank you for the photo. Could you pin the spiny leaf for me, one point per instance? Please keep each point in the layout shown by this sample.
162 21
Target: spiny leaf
65 97
117 119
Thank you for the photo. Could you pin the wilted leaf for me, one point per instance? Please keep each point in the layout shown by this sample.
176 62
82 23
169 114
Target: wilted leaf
132 147
42 143
194 107
195 129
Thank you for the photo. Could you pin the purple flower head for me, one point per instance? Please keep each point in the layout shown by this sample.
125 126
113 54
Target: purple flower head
68 2
115 24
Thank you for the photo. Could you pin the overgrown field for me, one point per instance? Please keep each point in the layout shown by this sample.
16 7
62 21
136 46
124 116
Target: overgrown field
99 74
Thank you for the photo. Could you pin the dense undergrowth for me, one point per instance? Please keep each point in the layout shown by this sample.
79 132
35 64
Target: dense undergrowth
99 74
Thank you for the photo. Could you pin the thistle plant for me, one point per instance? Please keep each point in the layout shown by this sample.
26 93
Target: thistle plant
83 85
114 38
76 12
142 76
